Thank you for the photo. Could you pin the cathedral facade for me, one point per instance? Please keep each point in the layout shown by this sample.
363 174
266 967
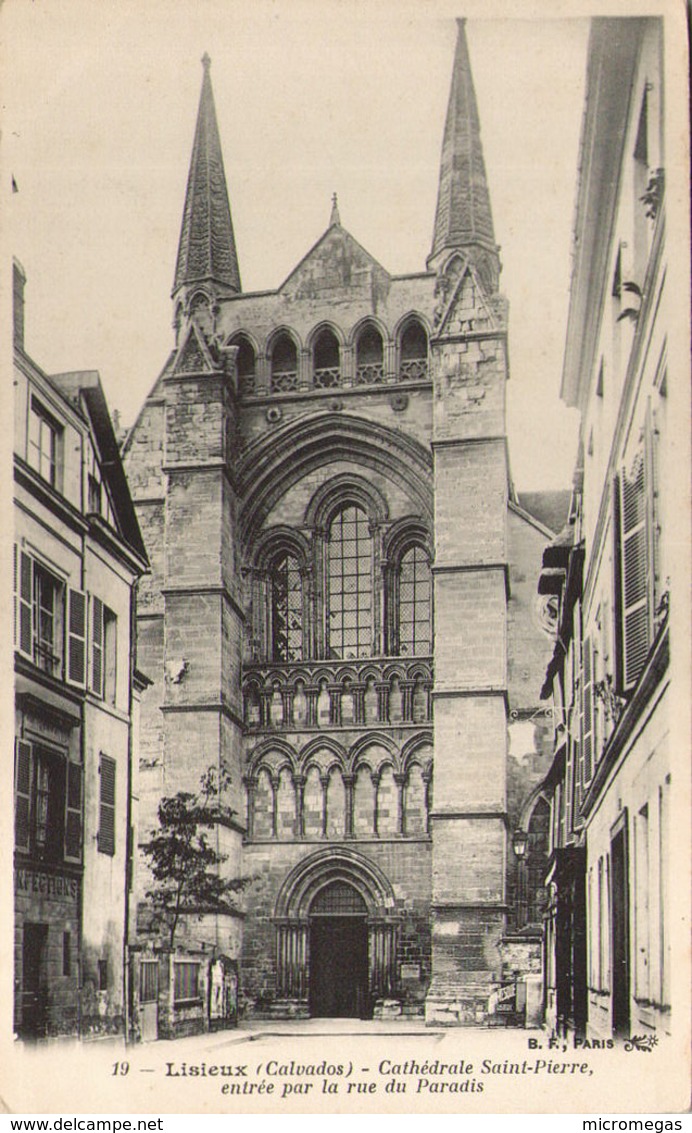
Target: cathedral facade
341 605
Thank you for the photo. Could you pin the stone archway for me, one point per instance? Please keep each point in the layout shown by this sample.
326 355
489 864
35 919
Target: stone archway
335 899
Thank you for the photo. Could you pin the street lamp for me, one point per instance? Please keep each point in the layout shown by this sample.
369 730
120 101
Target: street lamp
520 841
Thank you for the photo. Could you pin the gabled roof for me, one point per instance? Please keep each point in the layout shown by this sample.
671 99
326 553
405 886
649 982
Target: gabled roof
83 387
335 261
549 508
207 252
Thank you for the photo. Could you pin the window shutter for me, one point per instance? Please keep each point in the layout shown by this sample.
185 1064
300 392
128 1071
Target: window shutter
97 646
24 609
22 795
634 574
15 595
587 735
106 836
76 637
651 473
73 813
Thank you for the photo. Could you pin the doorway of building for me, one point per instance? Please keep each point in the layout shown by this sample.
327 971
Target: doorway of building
34 980
620 930
339 954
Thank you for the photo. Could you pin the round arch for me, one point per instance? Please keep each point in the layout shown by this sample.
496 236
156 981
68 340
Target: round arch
280 538
300 941
274 463
320 869
342 490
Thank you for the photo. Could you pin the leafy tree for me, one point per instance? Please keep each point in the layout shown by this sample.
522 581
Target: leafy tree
184 866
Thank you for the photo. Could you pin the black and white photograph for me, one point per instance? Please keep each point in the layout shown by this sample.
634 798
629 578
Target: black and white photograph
346 701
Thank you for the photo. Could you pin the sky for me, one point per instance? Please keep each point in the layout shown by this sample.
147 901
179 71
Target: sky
99 106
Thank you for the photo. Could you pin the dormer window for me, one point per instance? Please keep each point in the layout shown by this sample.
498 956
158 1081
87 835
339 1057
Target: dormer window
94 488
44 443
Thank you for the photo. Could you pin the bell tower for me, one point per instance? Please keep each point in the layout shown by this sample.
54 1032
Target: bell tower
469 364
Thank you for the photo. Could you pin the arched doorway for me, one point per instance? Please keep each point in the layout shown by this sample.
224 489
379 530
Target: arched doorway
339 953
336 937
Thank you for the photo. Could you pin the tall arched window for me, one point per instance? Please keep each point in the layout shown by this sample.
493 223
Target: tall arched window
369 357
349 585
245 363
413 352
284 364
286 608
326 371
414 603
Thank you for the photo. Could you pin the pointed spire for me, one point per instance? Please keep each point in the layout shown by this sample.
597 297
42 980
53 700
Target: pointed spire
463 219
334 218
206 252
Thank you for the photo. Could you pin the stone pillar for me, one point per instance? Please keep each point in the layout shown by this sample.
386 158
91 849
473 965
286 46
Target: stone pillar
400 781
291 967
407 689
311 694
334 691
382 701
299 783
349 781
358 690
287 702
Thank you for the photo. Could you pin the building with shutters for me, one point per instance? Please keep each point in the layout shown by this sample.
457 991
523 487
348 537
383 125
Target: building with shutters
342 605
77 555
609 927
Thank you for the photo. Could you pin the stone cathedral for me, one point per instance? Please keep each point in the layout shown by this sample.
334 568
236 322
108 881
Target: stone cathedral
341 604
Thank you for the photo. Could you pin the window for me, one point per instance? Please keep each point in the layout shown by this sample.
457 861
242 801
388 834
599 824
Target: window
587 713
103 975
186 981
106 834
41 603
149 981
338 899
66 954
414 603
48 803
48 620
641 177
286 609
245 364
413 361
635 569
284 365
369 357
642 927
349 585
94 494
44 442
104 627
326 367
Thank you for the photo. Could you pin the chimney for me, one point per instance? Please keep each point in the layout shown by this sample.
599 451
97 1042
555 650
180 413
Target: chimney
18 282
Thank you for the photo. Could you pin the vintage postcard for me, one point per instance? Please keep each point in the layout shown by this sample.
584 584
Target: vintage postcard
346 711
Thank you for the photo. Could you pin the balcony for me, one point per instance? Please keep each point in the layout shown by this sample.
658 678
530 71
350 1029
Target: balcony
370 374
327 377
413 370
283 381
317 695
